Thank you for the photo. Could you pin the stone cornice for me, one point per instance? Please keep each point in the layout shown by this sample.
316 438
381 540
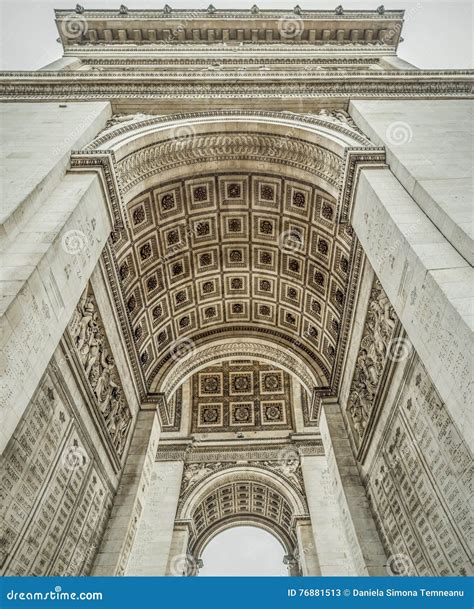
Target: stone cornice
265 451
137 76
163 52
197 58
292 152
71 86
212 26
262 14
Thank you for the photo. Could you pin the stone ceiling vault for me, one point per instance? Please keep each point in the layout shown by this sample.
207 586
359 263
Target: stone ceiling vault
231 225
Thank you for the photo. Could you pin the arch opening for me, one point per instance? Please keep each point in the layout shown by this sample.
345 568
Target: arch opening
243 550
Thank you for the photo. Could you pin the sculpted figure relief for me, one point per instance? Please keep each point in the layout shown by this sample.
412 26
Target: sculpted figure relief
99 368
380 324
195 472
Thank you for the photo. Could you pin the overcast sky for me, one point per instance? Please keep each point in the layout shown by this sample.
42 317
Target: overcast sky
438 33
243 551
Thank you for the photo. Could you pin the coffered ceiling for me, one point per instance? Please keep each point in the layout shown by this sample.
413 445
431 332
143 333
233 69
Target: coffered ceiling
234 254
241 395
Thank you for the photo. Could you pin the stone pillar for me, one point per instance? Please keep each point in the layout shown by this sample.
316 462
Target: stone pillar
307 557
365 546
121 529
179 562
297 405
68 217
152 544
292 565
414 222
331 547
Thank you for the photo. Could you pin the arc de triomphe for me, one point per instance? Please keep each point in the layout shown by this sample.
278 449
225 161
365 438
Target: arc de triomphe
237 259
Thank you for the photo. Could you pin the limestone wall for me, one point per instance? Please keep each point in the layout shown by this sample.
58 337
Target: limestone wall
419 482
56 490
63 463
54 227
414 461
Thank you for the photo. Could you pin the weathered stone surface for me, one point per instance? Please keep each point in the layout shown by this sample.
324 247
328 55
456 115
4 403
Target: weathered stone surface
245 300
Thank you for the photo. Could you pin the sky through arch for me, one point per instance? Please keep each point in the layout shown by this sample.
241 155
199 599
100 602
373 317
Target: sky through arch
243 550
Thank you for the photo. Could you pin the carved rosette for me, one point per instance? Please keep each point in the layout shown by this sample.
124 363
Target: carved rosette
94 353
380 323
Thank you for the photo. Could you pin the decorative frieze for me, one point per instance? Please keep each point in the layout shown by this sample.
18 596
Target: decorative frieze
379 329
185 151
100 371
243 453
27 88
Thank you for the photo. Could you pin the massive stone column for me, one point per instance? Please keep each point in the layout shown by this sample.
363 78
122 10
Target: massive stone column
122 525
366 549
414 222
54 226
153 540
333 552
307 555
180 562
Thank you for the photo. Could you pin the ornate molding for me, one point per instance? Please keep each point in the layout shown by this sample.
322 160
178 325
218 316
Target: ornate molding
253 27
237 453
236 350
356 159
289 471
80 86
193 62
104 163
186 151
337 121
249 330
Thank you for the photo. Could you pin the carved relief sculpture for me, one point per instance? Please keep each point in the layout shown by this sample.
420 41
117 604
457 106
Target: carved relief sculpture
379 327
93 350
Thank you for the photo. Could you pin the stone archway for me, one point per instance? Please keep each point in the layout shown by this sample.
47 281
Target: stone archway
272 233
275 235
241 495
207 262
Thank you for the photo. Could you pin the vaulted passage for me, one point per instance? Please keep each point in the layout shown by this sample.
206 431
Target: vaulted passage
223 254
